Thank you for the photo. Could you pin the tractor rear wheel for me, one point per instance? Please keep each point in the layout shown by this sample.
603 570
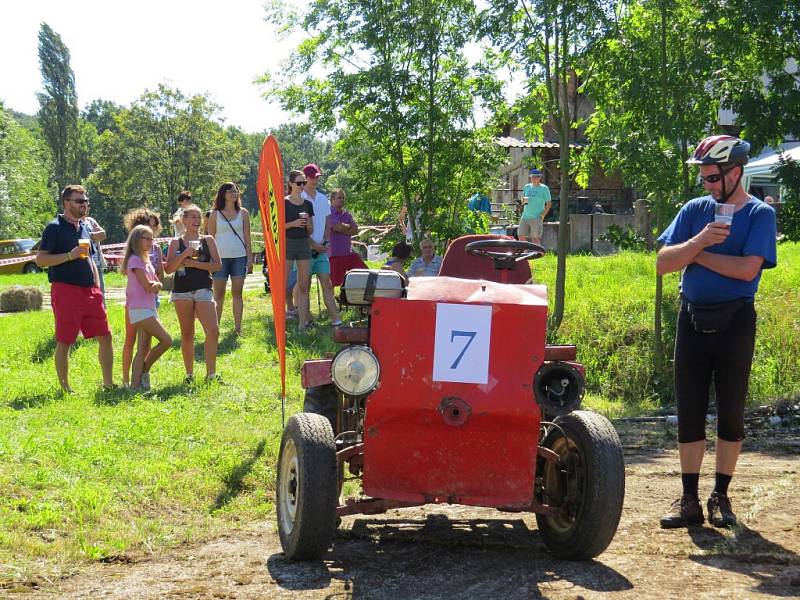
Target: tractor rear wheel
587 482
306 494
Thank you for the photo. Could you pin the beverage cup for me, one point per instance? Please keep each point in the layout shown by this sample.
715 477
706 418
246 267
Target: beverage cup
304 216
84 243
723 213
195 246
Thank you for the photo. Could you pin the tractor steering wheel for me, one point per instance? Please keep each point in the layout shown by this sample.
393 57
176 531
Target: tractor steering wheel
505 253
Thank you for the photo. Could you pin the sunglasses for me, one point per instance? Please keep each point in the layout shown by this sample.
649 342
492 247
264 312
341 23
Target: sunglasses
79 200
716 177
299 182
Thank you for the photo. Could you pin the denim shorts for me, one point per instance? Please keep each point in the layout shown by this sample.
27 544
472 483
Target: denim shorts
201 295
233 267
140 314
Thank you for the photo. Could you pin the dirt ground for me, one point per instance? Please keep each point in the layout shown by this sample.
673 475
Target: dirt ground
462 552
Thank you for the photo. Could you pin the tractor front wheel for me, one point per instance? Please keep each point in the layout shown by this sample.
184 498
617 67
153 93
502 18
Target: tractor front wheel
306 494
587 482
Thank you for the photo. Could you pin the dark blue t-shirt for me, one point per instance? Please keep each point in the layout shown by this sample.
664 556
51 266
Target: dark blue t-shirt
59 237
753 233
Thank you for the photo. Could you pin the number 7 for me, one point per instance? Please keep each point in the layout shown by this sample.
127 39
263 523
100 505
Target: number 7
469 334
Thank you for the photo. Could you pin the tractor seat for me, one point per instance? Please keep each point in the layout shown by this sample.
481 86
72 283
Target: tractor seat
457 263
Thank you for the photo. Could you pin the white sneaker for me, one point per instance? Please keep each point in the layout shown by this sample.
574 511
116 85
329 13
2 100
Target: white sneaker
145 384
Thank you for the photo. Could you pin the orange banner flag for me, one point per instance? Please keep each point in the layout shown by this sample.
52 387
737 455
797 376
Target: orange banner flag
273 221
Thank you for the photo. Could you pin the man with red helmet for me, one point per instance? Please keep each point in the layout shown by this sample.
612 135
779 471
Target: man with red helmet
722 260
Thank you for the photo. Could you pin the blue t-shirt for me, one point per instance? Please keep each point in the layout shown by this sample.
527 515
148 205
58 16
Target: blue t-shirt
481 203
537 196
753 233
59 237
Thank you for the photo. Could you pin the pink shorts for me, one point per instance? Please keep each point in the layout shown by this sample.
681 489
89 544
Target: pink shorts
78 309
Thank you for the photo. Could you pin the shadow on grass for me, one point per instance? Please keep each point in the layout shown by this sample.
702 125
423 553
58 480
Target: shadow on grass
45 350
34 400
227 343
113 397
234 480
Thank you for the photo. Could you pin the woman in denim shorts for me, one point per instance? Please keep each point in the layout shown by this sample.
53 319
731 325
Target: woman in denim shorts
193 258
229 224
299 227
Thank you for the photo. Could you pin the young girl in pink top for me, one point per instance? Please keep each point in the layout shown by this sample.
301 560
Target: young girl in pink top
140 302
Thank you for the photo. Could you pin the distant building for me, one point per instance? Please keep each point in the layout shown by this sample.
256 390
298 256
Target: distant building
608 190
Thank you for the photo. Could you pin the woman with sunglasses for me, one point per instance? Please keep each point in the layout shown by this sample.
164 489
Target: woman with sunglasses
299 227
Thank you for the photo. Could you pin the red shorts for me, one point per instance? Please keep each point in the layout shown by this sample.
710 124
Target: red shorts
78 308
342 264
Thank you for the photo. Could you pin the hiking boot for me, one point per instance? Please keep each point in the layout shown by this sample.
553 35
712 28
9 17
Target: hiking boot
720 513
684 511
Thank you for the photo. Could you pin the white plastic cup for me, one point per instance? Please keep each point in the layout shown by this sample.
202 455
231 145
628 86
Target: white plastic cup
195 246
723 213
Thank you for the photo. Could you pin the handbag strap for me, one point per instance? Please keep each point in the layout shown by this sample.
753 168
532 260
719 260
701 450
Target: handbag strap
228 221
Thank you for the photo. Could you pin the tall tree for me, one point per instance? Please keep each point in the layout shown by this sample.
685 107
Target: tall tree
164 143
552 42
653 103
760 76
58 106
392 81
26 203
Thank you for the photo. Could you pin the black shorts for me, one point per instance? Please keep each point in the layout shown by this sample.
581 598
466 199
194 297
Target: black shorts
727 356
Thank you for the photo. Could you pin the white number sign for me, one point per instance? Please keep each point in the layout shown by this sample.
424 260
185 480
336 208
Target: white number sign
461 345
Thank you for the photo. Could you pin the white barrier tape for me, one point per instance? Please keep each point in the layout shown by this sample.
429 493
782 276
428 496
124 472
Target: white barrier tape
15 261
104 248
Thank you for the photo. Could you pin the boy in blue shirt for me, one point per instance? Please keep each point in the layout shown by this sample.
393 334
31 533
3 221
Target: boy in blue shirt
536 204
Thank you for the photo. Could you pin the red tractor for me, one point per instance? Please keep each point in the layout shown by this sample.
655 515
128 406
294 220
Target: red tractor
450 394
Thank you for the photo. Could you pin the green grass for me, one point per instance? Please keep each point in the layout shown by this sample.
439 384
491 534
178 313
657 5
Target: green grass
96 474
112 279
93 475
609 315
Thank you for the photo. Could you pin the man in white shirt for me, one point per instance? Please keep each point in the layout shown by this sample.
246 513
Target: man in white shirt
320 265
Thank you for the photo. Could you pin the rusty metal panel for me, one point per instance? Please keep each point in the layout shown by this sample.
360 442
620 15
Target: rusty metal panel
443 441
314 373
560 352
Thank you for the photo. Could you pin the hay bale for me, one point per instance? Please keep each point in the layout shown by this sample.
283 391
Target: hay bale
20 298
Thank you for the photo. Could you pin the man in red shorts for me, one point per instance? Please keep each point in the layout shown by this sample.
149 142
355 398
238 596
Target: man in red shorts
74 291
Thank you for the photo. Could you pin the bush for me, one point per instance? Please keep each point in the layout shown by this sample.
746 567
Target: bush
20 298
626 239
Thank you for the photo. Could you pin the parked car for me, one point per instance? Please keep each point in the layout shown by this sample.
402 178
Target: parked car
21 248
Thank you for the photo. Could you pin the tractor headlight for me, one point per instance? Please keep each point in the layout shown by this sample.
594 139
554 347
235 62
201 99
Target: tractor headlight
355 370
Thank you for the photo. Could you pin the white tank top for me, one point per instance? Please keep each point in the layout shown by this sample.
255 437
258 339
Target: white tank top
228 244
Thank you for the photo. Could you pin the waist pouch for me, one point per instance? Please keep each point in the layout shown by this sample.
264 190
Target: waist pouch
714 318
